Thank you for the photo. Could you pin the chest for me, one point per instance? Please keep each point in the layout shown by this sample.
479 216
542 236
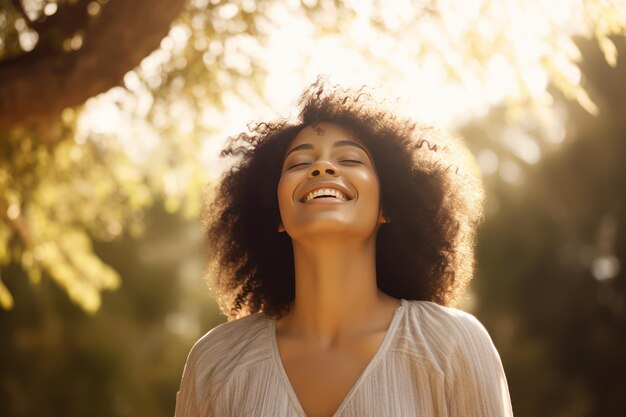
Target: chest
323 378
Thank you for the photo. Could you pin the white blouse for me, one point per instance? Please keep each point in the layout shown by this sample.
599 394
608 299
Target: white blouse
434 361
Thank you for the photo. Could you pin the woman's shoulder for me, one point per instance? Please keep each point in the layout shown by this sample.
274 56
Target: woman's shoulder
429 310
220 351
444 326
230 344
231 334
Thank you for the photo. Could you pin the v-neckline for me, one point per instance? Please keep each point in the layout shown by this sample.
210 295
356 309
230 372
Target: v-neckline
375 359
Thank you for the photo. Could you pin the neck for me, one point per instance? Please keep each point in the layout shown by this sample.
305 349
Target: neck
336 290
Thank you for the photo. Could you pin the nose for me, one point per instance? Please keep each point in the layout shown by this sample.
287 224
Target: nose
322 166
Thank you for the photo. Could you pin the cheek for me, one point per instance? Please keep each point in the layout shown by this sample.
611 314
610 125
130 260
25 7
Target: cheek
284 191
368 185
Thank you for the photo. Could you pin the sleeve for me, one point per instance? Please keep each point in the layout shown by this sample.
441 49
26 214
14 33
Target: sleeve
186 399
476 385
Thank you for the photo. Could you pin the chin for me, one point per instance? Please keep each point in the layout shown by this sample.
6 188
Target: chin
330 230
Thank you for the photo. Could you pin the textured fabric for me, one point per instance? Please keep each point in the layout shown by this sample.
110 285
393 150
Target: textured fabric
433 362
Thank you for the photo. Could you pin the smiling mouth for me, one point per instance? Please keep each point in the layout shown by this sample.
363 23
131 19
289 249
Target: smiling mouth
326 195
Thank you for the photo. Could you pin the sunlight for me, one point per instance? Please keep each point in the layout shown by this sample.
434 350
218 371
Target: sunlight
295 57
488 161
523 146
445 63
421 63
605 267
100 117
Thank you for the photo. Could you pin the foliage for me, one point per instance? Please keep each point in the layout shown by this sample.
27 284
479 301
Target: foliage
62 184
127 359
551 280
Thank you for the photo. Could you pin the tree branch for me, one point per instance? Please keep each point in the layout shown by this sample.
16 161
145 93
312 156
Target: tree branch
38 85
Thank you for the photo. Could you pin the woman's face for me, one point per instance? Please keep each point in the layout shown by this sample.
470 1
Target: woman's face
328 186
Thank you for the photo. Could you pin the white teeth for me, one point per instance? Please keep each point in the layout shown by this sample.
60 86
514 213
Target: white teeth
326 191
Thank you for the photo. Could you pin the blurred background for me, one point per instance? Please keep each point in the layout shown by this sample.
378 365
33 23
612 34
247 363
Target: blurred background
112 115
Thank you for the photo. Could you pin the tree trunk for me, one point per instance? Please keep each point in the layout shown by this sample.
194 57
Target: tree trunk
38 85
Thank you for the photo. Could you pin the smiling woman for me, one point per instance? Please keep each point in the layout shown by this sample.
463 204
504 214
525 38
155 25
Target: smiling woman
338 245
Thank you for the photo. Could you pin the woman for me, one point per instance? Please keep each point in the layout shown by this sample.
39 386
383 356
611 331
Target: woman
338 244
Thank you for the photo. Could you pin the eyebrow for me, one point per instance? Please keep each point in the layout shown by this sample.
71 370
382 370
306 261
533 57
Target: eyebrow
335 145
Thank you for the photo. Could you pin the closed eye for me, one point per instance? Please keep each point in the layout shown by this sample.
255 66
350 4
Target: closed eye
301 163
352 160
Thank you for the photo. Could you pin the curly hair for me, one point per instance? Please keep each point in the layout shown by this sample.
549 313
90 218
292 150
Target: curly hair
430 188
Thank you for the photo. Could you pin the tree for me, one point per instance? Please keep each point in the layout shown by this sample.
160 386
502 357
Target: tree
551 285
61 188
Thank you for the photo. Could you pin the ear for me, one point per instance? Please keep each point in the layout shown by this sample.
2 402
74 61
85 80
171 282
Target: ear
281 228
382 218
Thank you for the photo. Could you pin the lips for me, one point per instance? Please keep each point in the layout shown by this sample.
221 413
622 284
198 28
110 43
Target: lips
334 191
